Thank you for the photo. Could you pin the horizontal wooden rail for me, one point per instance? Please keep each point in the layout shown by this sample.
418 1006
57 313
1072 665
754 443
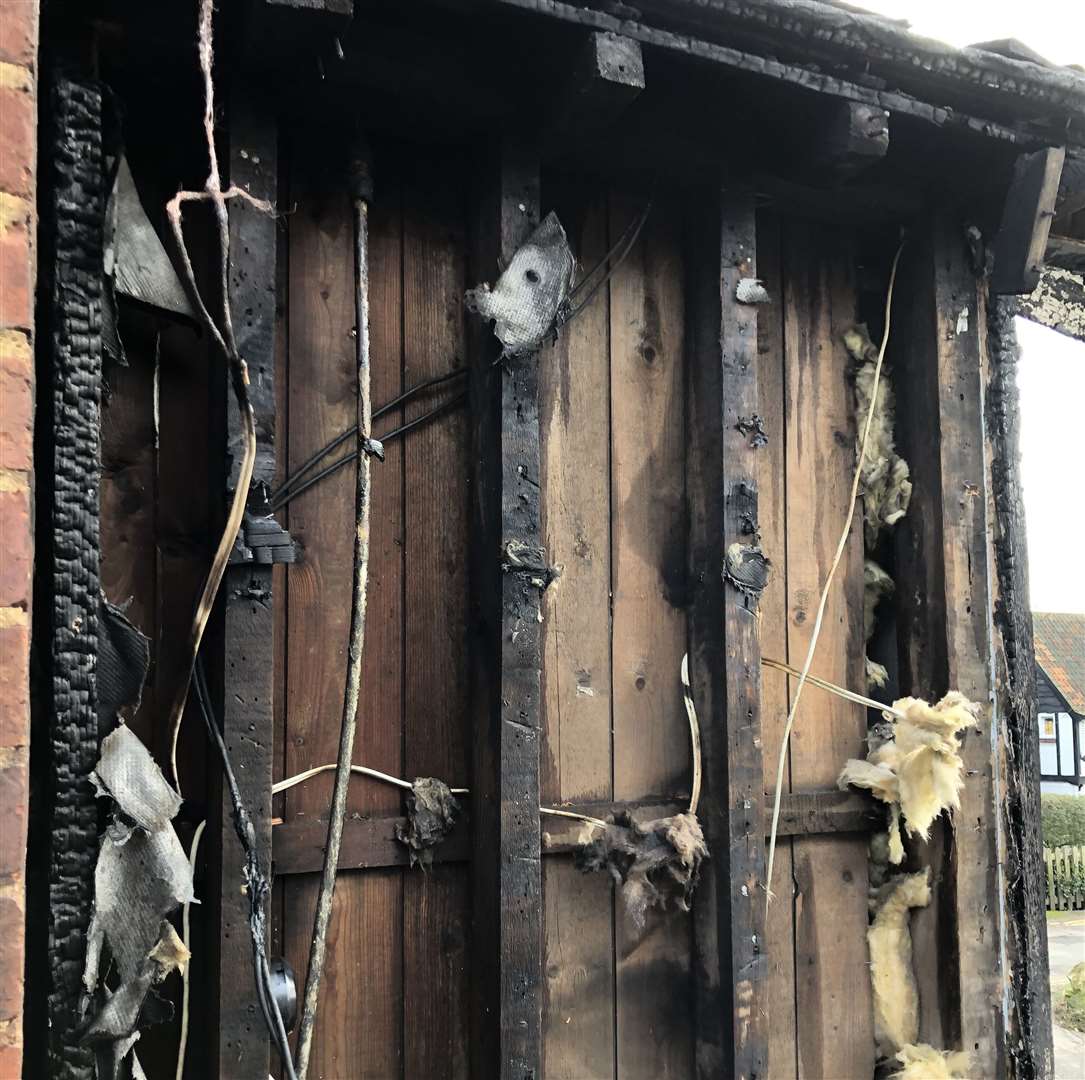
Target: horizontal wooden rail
370 843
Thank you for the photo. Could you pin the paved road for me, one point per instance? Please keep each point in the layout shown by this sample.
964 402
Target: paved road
1065 948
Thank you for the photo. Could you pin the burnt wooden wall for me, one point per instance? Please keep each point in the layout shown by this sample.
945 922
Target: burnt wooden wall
395 997
618 513
820 1014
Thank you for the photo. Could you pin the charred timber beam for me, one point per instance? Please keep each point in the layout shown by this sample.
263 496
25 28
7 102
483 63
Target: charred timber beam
1071 196
1030 1000
606 75
725 649
847 137
976 870
884 47
248 655
370 843
507 651
1026 221
75 278
795 75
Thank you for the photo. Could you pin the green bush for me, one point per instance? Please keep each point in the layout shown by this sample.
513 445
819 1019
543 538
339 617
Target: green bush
1070 1010
1063 818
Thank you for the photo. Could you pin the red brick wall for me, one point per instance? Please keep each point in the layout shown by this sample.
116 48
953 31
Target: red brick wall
18 159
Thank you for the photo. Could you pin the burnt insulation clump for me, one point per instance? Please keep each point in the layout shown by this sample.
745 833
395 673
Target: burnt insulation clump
657 863
432 811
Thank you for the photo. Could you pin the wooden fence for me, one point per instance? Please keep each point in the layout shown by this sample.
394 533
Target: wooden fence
1065 870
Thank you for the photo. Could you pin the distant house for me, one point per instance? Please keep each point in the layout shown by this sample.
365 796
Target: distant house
1060 700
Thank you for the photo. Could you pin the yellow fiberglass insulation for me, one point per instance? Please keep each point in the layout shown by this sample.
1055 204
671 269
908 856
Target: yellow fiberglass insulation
886 486
917 772
896 997
923 1062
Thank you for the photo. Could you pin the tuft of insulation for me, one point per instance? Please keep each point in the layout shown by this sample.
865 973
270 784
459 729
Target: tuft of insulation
892 979
917 772
656 863
923 1062
432 811
887 489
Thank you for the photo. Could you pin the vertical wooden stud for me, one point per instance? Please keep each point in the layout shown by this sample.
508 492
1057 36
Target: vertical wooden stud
248 658
507 661
725 653
960 334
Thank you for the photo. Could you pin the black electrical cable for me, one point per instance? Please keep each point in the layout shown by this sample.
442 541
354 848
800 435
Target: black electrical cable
277 499
612 260
256 880
281 498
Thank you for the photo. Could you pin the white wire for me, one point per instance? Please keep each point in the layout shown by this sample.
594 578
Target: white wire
182 1045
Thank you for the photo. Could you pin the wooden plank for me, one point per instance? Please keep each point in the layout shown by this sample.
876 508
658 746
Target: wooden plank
834 1029
321 404
960 330
725 654
369 842
375 1018
436 967
824 812
651 736
248 653
1021 241
780 1003
574 421
507 1009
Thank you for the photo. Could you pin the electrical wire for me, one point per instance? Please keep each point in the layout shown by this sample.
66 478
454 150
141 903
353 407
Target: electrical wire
277 496
182 1041
279 501
256 882
622 246
832 688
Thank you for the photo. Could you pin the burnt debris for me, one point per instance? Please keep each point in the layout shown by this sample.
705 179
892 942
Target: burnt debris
656 863
432 811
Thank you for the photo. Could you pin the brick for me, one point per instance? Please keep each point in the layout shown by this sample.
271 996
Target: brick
16 263
14 677
19 40
12 945
16 401
18 125
11 1055
16 540
14 792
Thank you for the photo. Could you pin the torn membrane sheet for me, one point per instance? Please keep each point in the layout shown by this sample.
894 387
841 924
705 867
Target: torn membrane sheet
142 875
127 772
525 302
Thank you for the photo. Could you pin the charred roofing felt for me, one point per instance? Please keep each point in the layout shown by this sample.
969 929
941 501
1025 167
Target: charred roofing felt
1060 651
